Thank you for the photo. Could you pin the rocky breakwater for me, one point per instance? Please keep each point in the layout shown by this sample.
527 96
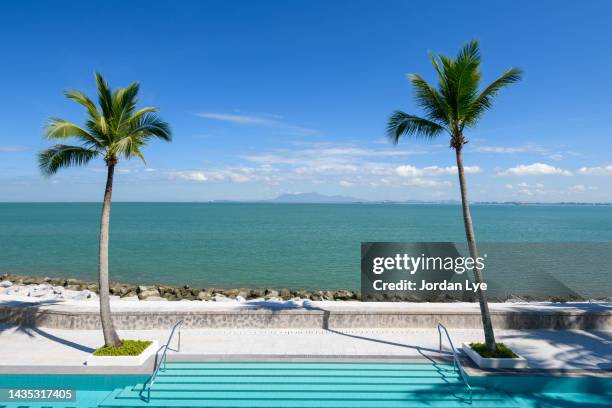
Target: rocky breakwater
46 288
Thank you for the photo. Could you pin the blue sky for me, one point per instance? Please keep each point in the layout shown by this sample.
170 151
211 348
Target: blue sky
273 97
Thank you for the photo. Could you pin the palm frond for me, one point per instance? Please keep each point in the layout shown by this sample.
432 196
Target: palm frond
115 128
429 99
123 103
469 52
129 147
60 156
401 123
151 125
467 70
82 99
105 99
484 100
62 129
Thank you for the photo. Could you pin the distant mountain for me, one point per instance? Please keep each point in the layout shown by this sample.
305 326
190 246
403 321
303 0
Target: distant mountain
313 198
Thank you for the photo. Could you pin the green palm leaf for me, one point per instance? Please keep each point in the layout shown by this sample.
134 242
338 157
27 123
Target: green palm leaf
455 103
401 123
115 128
60 156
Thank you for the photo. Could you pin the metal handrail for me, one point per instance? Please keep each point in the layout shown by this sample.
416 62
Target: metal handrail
456 362
162 361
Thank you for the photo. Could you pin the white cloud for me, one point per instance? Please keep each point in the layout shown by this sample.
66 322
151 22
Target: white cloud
596 171
581 188
498 149
12 149
191 175
527 189
272 121
412 171
345 183
535 169
231 174
150 170
426 183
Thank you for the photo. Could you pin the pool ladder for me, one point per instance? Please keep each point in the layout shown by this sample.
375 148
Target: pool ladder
162 361
456 362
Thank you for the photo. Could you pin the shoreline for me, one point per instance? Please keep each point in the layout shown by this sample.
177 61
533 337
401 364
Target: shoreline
54 288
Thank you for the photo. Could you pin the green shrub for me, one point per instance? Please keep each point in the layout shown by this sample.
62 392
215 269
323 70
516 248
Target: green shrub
501 351
127 348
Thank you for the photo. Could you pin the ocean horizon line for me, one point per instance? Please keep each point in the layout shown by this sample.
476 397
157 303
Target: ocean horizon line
365 202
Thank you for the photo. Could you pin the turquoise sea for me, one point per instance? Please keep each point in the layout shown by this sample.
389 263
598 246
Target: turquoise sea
310 246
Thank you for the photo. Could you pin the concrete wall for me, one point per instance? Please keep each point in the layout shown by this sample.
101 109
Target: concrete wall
308 318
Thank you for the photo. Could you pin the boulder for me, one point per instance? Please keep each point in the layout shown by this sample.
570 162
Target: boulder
169 296
285 294
131 298
154 298
257 293
271 293
144 294
6 284
343 295
232 293
221 298
18 290
303 294
204 295
70 294
328 295
40 290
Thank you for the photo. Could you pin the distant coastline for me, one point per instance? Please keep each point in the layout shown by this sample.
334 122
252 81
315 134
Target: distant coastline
317 198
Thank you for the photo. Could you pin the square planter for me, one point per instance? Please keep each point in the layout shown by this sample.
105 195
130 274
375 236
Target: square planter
484 362
123 360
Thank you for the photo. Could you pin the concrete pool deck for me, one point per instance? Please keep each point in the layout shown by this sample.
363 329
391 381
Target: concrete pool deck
43 350
41 336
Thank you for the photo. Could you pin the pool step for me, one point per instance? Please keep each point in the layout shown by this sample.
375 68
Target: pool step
308 385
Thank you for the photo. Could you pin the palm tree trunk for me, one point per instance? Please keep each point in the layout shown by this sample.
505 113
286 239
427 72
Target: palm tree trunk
110 335
471 239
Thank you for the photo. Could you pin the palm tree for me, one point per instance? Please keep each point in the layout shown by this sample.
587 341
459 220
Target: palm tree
116 129
456 104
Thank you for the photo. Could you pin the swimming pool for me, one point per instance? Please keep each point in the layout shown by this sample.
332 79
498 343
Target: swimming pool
289 384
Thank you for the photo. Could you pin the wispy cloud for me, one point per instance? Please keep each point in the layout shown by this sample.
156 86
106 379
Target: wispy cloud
581 188
231 174
527 189
596 171
498 149
343 165
535 169
412 171
528 148
271 121
12 148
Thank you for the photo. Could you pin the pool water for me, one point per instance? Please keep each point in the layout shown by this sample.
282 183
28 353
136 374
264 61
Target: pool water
317 385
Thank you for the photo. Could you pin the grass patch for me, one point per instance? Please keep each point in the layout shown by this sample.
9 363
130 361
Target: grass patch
127 348
501 351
